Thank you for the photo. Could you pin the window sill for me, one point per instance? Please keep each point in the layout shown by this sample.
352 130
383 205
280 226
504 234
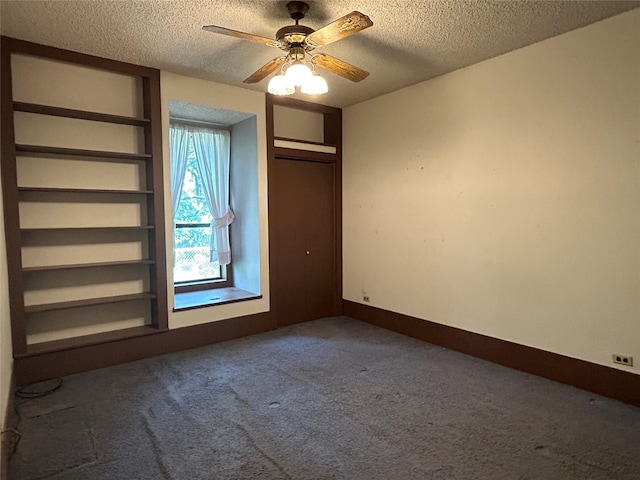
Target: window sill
211 298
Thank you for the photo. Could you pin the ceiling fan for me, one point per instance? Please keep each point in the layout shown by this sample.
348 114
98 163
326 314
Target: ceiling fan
299 41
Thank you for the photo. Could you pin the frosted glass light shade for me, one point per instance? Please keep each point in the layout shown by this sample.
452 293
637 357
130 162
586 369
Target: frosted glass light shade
279 85
298 74
316 85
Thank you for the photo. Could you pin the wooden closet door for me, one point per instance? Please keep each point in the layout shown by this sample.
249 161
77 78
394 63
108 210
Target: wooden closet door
304 219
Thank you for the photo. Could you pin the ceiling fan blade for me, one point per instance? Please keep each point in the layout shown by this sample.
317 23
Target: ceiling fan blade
245 36
341 28
266 70
344 69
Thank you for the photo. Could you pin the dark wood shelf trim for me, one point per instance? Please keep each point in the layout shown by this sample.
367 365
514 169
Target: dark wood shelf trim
79 114
303 105
15 45
9 180
76 152
82 190
88 340
291 153
47 307
76 266
297 140
85 229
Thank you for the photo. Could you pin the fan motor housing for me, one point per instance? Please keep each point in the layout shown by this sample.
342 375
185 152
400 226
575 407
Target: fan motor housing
293 35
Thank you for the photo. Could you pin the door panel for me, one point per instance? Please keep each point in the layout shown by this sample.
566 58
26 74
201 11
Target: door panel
305 240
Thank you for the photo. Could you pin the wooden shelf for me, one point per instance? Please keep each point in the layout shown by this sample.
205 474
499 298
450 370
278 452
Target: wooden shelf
85 229
76 152
140 184
80 114
86 340
297 140
47 307
82 190
77 266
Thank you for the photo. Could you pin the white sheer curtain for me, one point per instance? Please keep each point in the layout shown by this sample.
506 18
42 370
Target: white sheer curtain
212 149
179 145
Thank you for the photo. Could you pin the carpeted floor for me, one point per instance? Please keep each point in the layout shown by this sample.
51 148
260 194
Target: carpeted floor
329 399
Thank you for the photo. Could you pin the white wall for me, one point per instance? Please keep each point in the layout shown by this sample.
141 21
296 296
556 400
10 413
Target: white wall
504 198
201 92
245 230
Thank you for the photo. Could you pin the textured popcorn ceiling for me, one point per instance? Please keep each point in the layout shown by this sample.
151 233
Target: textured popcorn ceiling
408 43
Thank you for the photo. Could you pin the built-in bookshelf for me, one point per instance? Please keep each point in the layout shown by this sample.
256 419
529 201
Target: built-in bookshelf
84 225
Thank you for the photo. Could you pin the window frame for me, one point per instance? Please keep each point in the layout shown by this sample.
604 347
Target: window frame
226 270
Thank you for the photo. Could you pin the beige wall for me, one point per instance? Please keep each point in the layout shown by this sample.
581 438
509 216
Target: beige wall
504 198
298 124
214 95
50 82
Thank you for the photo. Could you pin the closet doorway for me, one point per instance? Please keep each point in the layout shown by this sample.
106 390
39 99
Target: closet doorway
303 206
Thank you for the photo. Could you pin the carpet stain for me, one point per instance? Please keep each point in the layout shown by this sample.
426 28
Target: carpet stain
541 450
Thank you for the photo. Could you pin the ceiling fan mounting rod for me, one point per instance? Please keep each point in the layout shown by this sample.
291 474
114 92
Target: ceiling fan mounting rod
297 10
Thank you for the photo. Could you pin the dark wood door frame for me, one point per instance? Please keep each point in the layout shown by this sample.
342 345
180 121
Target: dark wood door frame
332 137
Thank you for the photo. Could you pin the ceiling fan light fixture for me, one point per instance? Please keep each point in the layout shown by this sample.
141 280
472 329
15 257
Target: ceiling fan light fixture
298 74
279 85
298 41
316 85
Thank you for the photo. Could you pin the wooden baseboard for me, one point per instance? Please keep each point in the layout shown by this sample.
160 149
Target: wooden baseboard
44 366
609 382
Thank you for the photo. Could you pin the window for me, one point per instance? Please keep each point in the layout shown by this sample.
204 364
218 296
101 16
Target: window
212 171
201 212
192 232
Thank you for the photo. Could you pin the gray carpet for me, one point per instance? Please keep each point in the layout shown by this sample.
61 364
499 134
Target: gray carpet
333 398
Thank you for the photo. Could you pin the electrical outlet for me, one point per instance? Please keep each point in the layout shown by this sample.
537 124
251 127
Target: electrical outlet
365 298
623 360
